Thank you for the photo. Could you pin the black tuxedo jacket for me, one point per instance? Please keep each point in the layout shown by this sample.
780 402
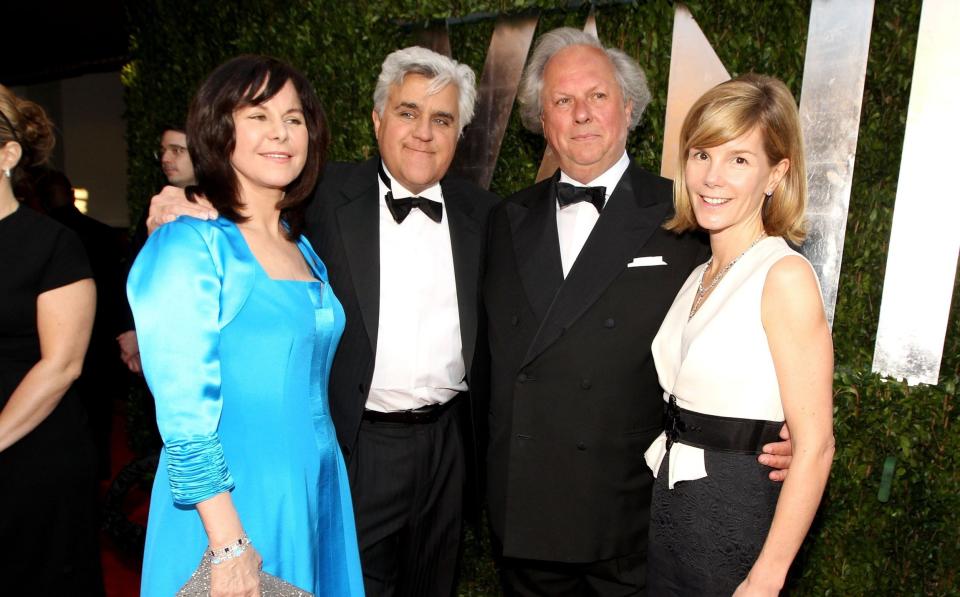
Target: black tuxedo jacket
342 223
574 394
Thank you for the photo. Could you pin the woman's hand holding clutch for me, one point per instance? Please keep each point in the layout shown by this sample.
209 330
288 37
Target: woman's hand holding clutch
237 577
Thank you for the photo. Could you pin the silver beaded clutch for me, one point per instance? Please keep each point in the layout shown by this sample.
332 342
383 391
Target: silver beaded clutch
270 586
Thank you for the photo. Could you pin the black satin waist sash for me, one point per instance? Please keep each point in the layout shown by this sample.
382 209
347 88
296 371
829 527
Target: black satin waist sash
713 432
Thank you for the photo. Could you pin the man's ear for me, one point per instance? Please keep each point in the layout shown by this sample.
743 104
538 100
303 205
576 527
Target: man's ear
376 123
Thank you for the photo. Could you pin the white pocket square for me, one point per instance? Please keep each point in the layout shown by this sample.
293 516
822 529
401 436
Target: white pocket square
645 261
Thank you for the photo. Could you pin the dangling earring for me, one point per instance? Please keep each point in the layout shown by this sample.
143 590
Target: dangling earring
6 172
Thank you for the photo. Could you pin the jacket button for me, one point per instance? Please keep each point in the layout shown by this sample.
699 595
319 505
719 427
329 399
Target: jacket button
514 321
523 377
361 388
586 384
581 446
609 323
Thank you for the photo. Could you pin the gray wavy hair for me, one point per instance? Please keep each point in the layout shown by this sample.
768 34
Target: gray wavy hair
630 77
441 71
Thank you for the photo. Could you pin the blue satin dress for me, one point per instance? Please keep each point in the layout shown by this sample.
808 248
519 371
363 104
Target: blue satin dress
238 364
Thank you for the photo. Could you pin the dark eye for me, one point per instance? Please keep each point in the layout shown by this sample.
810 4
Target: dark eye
294 121
698 155
600 95
441 121
563 101
741 161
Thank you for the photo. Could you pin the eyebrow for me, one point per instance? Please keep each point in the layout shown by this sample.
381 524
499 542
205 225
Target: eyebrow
415 106
734 150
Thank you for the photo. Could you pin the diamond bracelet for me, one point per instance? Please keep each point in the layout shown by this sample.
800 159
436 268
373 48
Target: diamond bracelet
230 551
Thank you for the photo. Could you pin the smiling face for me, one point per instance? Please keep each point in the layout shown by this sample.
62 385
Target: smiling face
175 159
417 134
271 143
584 117
727 184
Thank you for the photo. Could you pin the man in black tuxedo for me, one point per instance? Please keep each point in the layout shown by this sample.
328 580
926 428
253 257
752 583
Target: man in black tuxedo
405 367
403 246
579 275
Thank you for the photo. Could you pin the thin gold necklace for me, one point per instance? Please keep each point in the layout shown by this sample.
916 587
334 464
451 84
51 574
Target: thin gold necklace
702 292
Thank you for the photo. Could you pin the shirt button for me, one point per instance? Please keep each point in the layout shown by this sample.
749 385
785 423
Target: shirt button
581 446
609 323
586 384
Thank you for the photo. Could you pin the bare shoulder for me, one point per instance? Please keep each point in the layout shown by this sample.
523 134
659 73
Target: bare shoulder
791 290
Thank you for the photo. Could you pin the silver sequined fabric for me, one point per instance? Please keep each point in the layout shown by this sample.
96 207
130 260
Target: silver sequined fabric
270 586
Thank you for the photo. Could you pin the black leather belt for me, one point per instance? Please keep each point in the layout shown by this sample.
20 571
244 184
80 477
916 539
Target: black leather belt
418 416
712 432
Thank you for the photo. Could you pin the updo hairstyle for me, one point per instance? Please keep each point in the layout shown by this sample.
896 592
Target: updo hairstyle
24 122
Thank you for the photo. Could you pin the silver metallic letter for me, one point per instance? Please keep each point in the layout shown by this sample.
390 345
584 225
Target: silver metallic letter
925 238
836 64
478 150
694 69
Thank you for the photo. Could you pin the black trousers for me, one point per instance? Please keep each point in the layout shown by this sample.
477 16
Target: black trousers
616 577
407 482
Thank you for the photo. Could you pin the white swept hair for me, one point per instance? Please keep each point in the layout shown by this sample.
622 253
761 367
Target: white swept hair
629 74
441 71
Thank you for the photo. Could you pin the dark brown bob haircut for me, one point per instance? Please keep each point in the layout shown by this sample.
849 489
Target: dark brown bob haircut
238 83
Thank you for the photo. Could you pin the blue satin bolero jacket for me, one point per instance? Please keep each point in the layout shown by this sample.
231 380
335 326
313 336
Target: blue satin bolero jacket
208 259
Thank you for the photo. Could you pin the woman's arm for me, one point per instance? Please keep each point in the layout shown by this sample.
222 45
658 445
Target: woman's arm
64 321
236 577
802 350
175 293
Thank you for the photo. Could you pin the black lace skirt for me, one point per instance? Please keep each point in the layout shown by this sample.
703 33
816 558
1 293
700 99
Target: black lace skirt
706 534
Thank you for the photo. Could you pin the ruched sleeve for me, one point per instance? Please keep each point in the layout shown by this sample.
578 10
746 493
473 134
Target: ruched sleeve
174 289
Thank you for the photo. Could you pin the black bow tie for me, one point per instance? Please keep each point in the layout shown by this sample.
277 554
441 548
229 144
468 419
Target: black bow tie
400 208
568 194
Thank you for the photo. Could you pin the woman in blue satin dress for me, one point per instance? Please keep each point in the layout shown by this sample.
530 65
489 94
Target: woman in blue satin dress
238 327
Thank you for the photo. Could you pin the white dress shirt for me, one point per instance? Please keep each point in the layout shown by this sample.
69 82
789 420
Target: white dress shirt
419 357
575 222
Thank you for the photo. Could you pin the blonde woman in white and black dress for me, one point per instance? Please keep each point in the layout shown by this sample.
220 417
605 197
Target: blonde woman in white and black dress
744 347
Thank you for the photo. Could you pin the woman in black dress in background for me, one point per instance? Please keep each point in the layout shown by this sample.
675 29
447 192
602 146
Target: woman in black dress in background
47 484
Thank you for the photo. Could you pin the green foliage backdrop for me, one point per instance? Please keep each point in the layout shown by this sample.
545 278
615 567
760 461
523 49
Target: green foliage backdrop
909 545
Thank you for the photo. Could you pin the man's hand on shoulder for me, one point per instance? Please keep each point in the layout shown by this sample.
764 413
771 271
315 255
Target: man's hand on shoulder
172 202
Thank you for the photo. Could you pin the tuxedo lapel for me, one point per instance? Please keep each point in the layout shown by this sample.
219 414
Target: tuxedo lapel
536 245
466 235
628 220
359 221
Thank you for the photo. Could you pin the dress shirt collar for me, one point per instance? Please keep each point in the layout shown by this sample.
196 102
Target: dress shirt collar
432 192
608 179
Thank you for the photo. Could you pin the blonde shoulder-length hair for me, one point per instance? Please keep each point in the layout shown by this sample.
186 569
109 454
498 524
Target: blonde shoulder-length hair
730 110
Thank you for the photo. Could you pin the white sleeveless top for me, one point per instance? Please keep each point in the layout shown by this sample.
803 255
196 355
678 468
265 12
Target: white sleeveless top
718 362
